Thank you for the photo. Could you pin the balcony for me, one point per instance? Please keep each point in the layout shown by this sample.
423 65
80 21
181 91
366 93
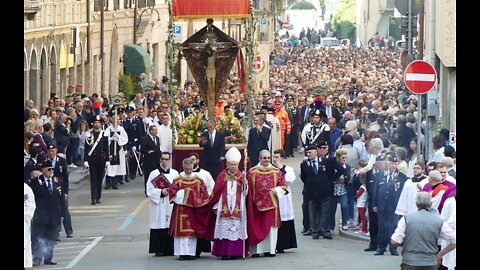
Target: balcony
31 7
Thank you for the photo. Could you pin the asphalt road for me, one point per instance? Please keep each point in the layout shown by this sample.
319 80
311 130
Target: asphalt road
114 235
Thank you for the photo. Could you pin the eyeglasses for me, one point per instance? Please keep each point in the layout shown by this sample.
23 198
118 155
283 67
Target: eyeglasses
343 157
164 159
418 168
265 157
323 147
50 169
164 107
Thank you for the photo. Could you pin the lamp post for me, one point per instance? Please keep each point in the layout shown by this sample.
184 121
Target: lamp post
136 22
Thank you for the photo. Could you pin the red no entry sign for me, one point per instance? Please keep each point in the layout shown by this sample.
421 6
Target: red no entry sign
420 77
286 25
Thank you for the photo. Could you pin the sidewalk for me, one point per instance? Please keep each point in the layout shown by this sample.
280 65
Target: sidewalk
352 235
77 175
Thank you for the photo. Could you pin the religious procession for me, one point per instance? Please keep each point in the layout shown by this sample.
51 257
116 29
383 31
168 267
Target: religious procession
215 145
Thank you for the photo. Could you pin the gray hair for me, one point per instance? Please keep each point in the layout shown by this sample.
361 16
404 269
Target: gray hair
263 152
423 200
401 153
186 162
448 161
435 176
376 143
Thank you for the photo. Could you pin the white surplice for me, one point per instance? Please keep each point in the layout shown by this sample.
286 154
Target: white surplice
120 169
29 207
160 208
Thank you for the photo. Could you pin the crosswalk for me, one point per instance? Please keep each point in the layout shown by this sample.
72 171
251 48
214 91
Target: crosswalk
69 252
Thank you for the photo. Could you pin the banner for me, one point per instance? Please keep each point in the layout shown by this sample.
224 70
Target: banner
198 9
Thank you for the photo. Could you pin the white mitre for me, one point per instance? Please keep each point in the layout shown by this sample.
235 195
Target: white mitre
233 155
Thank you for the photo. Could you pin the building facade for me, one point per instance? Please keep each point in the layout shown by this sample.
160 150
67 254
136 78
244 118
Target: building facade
372 17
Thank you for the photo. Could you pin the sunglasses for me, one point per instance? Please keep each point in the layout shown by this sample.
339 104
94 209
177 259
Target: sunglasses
164 159
50 169
265 157
323 147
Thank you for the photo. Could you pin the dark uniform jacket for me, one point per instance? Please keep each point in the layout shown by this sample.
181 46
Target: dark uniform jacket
150 161
320 185
388 194
50 207
101 152
257 141
61 172
211 154
133 127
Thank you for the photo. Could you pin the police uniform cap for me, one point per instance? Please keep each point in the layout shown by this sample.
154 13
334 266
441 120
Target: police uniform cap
392 158
98 118
316 112
311 147
380 158
271 109
196 107
47 164
129 109
52 146
321 143
264 107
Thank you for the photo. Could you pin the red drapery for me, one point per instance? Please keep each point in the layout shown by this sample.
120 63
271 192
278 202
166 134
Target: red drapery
197 9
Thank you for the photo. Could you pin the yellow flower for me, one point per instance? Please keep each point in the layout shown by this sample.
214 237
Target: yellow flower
190 132
190 140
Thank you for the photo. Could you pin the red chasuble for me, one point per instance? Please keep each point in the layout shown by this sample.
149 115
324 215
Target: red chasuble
196 195
262 204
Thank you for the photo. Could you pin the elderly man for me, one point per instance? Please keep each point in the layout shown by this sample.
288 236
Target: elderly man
187 192
266 184
419 232
213 143
160 209
229 198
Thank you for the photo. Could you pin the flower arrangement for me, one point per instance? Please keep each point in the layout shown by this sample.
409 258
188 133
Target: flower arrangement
191 129
230 126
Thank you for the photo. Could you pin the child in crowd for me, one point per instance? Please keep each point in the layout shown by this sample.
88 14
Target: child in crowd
362 197
354 225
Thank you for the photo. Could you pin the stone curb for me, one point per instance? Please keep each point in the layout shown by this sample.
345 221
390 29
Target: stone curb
353 236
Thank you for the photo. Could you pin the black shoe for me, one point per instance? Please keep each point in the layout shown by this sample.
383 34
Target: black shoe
328 237
255 255
36 263
370 249
98 201
58 239
93 203
114 187
127 180
50 263
307 233
121 182
224 258
379 252
69 235
159 254
191 258
394 252
280 251
107 187
267 254
315 236
182 257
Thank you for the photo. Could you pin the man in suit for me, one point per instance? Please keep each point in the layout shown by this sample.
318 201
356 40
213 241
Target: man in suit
49 199
213 143
61 172
332 111
257 140
385 200
150 148
133 127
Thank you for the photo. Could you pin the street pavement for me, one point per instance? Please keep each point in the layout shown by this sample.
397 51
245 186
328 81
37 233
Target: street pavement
114 235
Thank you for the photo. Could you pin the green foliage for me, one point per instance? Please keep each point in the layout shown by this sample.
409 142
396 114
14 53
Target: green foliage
345 18
322 6
394 27
127 84
303 5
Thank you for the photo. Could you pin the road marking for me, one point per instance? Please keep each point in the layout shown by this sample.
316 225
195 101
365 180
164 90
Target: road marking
84 252
420 77
96 211
132 216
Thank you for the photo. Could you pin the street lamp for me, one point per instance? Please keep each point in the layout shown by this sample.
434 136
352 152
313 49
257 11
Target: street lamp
137 22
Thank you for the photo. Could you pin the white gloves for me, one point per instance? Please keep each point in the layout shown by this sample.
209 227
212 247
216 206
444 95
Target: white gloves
88 134
86 164
241 114
134 148
107 163
115 137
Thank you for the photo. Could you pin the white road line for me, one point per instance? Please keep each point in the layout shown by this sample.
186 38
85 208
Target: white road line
59 248
420 77
84 252
95 207
95 211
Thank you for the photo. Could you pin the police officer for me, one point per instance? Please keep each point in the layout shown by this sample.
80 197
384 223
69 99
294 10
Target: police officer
96 158
318 131
385 202
133 127
61 172
49 199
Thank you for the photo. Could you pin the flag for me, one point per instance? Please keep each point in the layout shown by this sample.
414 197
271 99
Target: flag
198 9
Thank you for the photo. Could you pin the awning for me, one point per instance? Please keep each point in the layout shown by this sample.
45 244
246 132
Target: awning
136 60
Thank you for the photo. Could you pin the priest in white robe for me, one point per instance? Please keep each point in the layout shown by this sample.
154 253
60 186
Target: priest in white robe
29 207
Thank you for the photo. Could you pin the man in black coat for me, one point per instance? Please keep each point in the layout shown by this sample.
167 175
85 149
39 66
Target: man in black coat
49 198
374 175
96 158
213 143
150 148
133 127
61 172
257 140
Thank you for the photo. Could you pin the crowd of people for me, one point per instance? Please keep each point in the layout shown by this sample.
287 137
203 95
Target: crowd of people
358 134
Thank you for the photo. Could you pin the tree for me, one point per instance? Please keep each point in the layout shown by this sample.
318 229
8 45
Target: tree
344 19
303 5
323 7
128 86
